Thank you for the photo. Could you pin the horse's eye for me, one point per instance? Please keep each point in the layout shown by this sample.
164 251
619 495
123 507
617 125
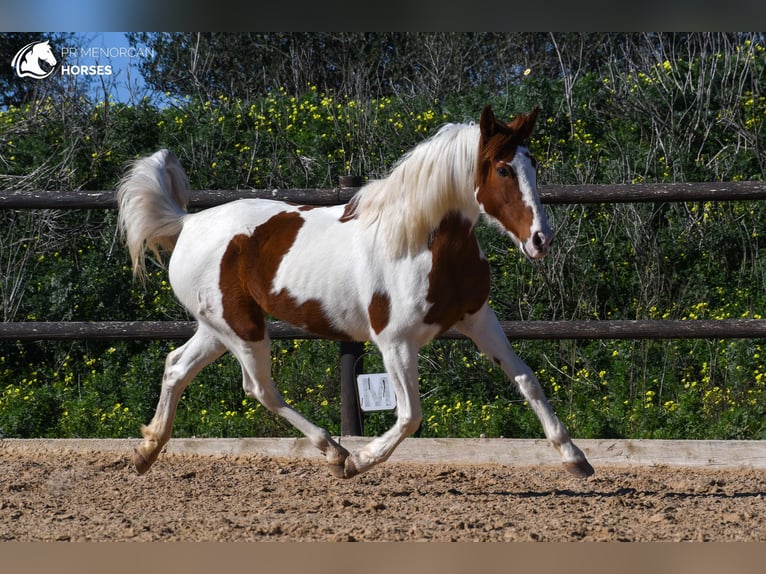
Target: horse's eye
504 171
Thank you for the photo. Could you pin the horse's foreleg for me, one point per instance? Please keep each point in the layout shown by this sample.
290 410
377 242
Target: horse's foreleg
255 359
400 361
485 330
181 366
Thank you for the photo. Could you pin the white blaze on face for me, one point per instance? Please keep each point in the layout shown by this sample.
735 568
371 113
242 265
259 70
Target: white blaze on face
541 234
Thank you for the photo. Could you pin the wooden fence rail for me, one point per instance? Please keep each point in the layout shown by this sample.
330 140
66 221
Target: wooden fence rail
351 352
550 194
28 331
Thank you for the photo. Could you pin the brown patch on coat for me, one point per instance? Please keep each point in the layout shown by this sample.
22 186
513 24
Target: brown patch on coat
248 268
379 311
309 315
458 283
349 213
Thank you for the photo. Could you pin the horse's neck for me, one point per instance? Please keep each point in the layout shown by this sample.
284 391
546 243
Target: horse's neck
31 63
434 180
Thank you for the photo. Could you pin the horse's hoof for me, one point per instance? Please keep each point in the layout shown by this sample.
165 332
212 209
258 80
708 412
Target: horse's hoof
141 462
336 459
337 470
350 469
581 469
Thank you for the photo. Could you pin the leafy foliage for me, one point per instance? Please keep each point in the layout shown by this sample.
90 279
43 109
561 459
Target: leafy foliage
633 116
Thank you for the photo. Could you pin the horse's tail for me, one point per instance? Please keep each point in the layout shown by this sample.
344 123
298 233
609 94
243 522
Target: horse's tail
152 199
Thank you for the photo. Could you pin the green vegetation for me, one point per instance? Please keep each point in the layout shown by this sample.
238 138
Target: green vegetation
700 116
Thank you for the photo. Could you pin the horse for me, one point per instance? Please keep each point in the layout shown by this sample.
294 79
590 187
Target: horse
397 265
27 60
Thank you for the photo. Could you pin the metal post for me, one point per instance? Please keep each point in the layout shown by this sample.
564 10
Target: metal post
351 364
350 367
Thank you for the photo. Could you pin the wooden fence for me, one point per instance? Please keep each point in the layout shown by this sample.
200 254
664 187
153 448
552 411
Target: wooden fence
351 353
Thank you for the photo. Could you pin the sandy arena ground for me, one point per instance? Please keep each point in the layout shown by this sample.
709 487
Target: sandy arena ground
97 496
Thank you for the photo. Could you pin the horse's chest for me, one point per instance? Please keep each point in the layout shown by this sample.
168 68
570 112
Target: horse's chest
458 282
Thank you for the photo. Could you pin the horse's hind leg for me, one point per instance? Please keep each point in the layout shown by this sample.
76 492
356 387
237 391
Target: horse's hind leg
181 366
255 359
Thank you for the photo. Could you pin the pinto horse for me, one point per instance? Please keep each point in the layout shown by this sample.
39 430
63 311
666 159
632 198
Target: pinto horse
398 265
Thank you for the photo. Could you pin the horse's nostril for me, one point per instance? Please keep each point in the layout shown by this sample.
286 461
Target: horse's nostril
538 240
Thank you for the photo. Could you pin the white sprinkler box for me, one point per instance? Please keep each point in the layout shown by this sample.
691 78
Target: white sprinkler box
375 392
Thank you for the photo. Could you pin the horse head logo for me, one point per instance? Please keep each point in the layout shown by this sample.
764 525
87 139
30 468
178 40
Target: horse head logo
27 61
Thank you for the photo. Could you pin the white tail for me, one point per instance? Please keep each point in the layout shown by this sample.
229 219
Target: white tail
152 199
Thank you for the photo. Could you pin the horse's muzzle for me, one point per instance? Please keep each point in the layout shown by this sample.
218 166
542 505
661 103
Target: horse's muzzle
539 244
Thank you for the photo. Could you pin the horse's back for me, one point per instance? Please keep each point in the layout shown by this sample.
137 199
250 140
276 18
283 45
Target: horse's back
269 245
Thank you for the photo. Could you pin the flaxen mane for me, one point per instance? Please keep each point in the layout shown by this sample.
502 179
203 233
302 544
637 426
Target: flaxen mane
435 177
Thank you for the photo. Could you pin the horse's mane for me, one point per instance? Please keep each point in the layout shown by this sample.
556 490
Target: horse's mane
435 177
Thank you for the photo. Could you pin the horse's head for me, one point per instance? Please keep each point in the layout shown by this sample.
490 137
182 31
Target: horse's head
506 182
42 51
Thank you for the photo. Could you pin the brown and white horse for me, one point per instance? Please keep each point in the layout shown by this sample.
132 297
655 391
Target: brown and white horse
398 265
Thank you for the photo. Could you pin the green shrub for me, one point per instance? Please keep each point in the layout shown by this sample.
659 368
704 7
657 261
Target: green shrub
689 260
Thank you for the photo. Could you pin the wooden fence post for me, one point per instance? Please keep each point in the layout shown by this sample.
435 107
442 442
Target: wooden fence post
351 364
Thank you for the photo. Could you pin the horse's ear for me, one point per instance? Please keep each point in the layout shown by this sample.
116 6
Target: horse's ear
488 123
527 125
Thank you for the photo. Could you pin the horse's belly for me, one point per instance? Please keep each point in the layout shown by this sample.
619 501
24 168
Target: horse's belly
316 287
